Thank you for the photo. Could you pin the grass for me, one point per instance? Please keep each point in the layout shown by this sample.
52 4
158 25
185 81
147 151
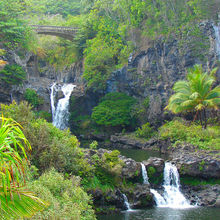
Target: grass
178 131
192 181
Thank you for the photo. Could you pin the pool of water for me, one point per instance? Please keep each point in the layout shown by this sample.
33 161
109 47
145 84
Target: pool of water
196 213
138 154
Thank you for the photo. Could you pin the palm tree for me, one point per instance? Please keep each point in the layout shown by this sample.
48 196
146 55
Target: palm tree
15 201
195 93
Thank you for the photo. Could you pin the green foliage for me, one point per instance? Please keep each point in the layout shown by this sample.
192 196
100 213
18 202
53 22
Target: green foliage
179 132
13 28
193 181
15 201
32 97
145 131
67 199
196 93
93 145
114 110
106 173
51 147
12 74
44 114
151 171
140 110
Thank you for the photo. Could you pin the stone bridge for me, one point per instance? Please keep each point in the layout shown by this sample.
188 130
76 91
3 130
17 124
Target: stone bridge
59 31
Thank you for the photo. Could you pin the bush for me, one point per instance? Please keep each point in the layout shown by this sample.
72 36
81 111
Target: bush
179 132
114 110
145 131
12 74
66 198
51 147
107 171
32 97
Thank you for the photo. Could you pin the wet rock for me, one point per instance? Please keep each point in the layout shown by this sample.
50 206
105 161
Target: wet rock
205 195
142 197
131 170
196 163
157 163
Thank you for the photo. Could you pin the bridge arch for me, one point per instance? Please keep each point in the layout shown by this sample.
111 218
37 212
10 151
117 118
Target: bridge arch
59 31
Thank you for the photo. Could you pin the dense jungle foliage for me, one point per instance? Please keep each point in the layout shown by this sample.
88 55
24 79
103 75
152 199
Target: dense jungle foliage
107 29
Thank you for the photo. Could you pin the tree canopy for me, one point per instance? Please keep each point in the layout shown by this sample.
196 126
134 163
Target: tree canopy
195 93
114 110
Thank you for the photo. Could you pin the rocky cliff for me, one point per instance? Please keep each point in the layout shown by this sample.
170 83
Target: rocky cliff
150 73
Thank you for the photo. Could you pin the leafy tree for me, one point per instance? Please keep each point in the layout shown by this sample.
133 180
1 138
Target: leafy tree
32 97
67 199
12 74
16 202
195 93
13 28
114 110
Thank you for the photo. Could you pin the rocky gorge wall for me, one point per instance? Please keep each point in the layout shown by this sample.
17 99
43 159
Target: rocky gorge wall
150 73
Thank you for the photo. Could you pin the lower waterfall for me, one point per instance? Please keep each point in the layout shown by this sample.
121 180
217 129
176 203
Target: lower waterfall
60 112
172 197
126 203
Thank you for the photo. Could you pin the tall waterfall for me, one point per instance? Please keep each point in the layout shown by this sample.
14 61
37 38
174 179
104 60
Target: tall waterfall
60 112
52 98
217 39
172 197
144 174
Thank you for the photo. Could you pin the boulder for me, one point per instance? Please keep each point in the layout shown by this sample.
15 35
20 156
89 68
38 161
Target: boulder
196 163
157 163
142 197
131 170
204 195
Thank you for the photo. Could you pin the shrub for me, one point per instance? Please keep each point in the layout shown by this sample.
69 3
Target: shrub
67 199
179 132
12 74
145 131
32 97
114 110
51 147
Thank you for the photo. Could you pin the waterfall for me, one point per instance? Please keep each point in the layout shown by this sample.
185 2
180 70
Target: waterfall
60 112
217 39
172 197
144 174
52 100
126 203
158 198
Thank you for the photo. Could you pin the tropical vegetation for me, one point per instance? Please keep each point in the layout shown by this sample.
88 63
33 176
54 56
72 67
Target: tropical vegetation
16 201
196 94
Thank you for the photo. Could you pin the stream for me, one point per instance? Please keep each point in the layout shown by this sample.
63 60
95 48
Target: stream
196 213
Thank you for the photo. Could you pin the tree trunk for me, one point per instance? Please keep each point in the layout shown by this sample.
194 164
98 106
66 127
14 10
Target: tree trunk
205 118
200 118
196 115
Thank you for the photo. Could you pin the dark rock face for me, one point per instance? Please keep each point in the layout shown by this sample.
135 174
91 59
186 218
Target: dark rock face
110 198
142 197
207 195
131 170
196 163
157 163
124 141
153 72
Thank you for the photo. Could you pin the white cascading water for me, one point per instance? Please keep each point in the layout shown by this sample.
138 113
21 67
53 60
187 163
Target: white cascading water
60 112
52 98
144 174
217 39
126 203
172 196
158 198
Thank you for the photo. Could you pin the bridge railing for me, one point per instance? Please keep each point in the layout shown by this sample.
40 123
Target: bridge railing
42 28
